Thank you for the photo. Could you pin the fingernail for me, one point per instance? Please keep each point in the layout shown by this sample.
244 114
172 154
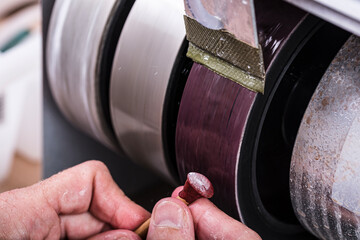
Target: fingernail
123 238
169 214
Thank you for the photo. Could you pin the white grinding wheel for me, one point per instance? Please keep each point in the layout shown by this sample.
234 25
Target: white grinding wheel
325 166
75 43
147 49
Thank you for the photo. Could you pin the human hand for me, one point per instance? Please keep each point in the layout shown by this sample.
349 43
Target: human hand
172 219
84 201
77 203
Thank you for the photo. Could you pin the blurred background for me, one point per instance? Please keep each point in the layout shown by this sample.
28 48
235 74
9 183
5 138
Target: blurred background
20 94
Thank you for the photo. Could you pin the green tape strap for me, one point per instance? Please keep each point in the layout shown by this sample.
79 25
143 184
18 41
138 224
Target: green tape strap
225 69
220 51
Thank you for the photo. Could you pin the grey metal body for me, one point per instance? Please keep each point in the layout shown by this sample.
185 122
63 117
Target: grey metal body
344 13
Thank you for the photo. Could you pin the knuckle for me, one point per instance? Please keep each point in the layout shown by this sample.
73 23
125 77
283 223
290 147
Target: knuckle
96 164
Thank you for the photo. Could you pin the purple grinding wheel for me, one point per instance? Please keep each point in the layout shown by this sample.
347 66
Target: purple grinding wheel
207 134
225 131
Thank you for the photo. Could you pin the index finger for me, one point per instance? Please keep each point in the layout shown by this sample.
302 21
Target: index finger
90 187
212 223
175 193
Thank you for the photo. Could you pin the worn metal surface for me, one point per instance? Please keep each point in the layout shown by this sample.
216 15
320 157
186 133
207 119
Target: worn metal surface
325 167
75 43
145 56
344 13
236 17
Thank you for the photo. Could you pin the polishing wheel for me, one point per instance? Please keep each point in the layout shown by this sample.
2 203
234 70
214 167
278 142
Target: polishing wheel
141 80
80 49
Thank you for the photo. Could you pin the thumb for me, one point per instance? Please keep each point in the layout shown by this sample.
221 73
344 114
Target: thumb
171 219
211 223
116 234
